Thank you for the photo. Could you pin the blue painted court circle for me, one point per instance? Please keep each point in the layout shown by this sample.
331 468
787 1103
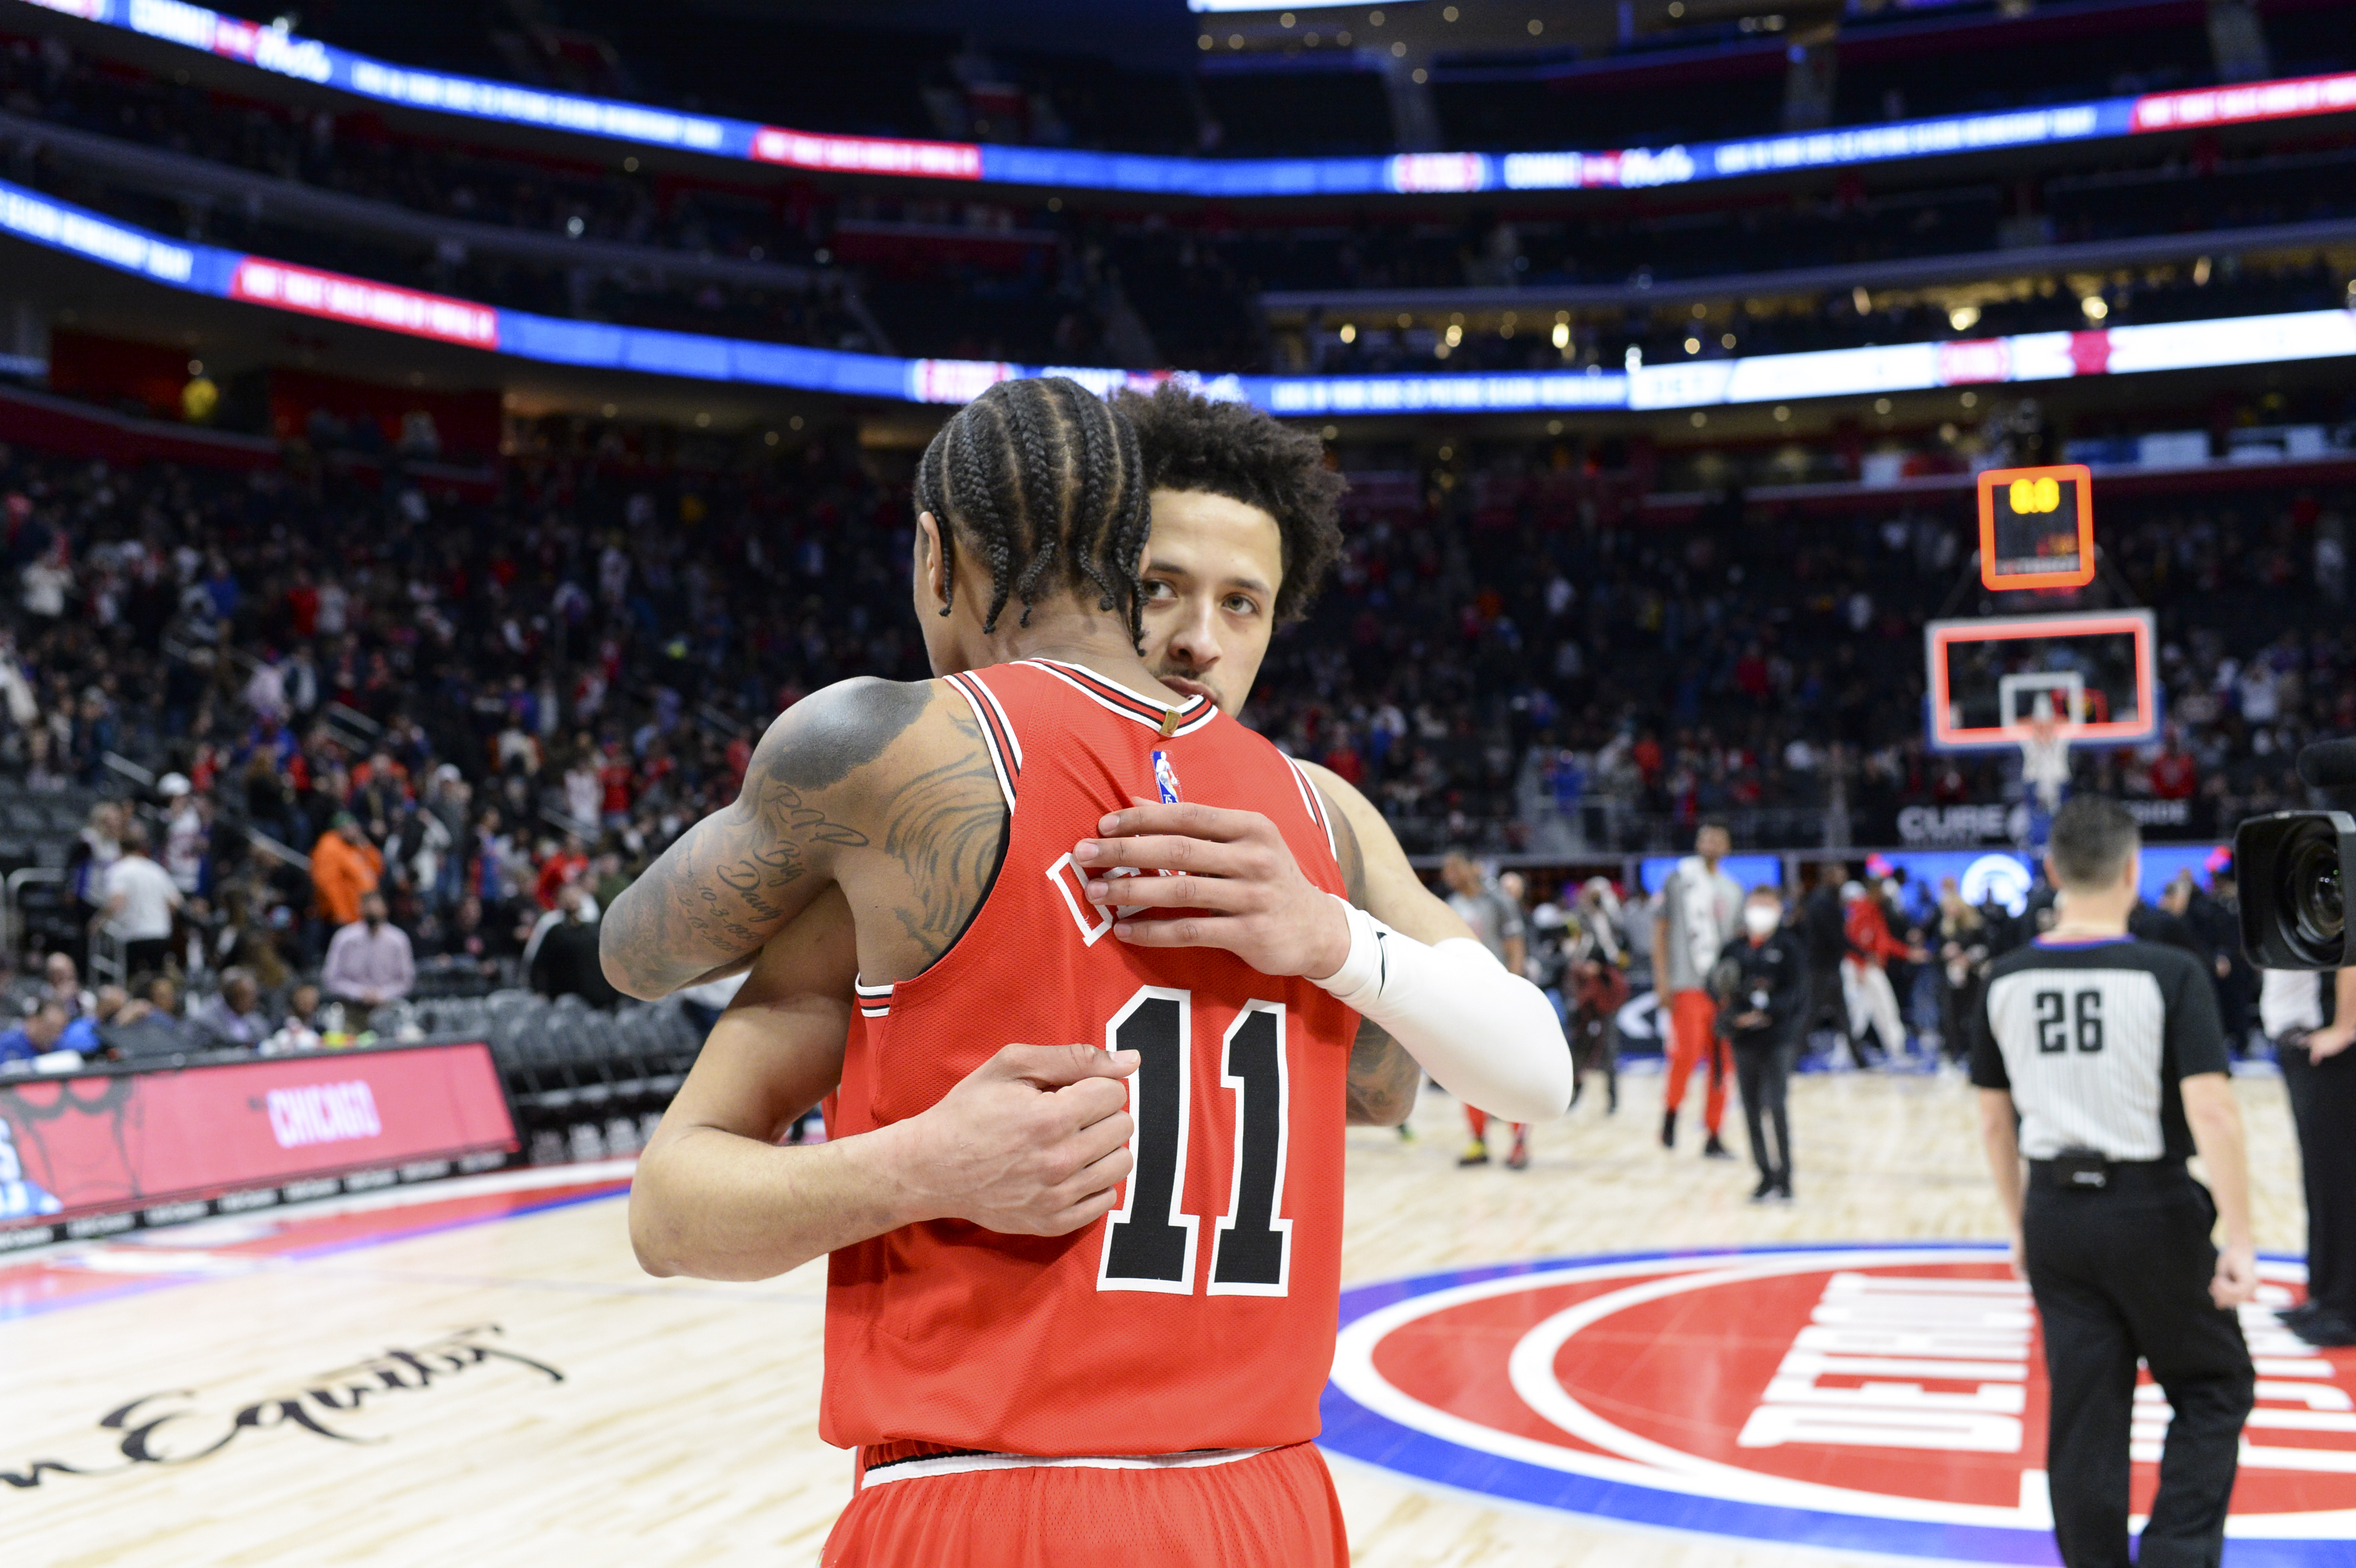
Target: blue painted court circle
1886 1399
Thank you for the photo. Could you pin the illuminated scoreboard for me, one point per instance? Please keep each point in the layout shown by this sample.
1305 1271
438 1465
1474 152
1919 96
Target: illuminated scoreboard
2036 527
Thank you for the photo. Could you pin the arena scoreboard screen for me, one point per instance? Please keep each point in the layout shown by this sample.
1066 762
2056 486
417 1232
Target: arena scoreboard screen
2036 527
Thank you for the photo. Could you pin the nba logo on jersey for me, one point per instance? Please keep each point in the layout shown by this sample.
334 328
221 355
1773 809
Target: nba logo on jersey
1165 785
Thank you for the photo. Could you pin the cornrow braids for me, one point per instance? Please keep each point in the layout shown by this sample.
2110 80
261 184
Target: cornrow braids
1093 478
973 481
1043 472
932 478
1136 521
1046 505
990 461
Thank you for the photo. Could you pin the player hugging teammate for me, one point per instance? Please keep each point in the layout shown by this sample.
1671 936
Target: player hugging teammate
1082 1187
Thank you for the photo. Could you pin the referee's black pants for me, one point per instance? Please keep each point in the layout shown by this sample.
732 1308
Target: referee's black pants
2323 1108
2118 1275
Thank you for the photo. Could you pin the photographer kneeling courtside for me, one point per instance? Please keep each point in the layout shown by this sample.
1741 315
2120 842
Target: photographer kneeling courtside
2109 1052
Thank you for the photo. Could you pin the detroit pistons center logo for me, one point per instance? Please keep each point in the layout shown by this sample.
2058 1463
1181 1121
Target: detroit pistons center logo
1885 1400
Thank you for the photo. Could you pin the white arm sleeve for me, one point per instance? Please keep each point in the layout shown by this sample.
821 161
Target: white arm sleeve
1485 1035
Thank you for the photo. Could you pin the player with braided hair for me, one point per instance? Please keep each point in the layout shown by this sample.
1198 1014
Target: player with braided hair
1174 1430
1042 1350
1027 478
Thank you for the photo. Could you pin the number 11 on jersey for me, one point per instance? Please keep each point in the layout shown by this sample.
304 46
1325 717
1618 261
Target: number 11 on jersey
1149 1245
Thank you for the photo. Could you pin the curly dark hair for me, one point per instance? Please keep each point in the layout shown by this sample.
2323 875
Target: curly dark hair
1232 449
1044 479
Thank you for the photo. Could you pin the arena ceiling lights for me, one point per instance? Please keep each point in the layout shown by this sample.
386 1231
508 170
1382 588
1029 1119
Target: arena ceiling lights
1765 378
292 55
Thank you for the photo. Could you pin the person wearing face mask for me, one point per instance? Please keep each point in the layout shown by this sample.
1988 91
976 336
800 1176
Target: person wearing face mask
1761 1018
369 963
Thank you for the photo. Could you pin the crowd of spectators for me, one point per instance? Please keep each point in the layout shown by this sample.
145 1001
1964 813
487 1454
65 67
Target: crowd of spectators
403 741
1495 667
1894 966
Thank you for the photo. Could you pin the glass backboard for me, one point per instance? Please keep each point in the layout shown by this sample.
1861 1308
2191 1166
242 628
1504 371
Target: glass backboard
2096 673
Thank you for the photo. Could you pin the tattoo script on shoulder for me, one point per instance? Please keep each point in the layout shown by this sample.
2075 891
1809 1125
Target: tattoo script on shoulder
948 826
724 888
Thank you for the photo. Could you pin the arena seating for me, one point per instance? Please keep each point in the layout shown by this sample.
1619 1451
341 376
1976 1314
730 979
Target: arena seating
1562 644
903 82
571 234
584 1083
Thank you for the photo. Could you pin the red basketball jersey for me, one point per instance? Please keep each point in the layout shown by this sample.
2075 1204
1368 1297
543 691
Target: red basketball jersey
1200 1313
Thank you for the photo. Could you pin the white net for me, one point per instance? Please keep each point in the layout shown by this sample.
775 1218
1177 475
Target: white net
2045 754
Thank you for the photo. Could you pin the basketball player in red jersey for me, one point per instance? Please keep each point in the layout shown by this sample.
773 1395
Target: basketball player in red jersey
1057 1439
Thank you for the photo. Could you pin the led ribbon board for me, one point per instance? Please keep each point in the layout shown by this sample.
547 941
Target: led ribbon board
2036 527
546 340
289 54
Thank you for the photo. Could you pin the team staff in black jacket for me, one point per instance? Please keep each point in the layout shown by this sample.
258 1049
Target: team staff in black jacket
1761 1013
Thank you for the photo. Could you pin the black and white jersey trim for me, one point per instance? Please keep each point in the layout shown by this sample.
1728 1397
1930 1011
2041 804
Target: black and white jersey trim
874 1001
997 730
1197 713
1315 801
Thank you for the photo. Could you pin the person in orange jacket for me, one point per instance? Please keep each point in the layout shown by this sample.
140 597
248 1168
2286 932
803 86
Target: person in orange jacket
344 867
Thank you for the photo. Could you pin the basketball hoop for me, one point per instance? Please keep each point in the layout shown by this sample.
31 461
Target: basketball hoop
2098 672
2044 742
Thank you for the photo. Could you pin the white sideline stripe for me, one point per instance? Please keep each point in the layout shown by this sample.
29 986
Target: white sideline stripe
442 1189
965 1463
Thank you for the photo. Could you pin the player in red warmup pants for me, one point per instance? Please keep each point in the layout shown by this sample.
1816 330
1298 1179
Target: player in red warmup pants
1701 910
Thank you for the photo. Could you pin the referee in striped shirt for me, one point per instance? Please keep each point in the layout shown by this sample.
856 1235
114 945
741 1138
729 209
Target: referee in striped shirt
2100 1058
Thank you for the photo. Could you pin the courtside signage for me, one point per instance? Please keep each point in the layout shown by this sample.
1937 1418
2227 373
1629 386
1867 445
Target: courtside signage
1888 1400
287 53
81 1151
1763 378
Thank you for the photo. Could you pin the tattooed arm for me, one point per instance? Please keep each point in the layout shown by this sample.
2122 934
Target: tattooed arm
1033 1142
734 880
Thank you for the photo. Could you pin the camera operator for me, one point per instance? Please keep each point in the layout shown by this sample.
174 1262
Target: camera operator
2311 1018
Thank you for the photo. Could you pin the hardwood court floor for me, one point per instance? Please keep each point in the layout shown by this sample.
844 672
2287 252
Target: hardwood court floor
682 1429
